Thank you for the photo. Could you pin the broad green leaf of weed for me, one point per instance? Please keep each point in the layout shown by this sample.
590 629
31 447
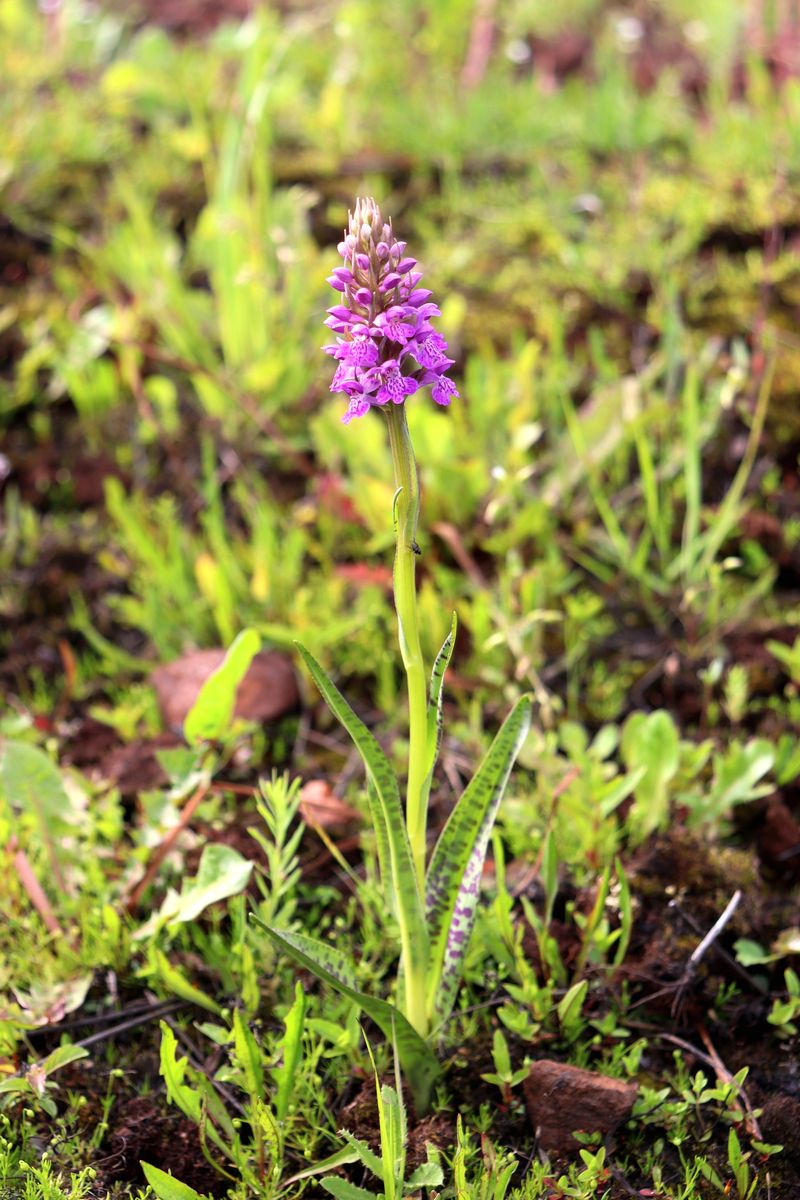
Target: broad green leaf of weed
62 1056
342 1189
167 1187
651 742
248 1056
339 1158
428 1174
365 1155
222 872
32 783
210 716
176 982
737 773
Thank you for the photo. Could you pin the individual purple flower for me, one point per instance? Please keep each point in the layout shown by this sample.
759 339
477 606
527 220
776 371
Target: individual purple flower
442 387
444 390
386 347
394 385
431 350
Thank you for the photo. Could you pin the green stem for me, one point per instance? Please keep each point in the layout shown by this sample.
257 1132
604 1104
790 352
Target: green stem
405 598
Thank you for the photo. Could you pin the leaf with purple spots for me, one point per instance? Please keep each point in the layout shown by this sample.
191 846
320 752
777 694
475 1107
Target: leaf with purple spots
454 875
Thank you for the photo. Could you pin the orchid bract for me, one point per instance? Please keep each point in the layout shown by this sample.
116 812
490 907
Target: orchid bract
387 350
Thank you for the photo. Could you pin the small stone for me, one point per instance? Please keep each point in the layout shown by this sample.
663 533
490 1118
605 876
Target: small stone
562 1099
268 690
319 806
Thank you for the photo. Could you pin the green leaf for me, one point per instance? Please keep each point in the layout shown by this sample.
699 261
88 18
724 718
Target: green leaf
342 1189
427 1174
381 831
248 1056
177 983
651 742
366 1156
454 875
196 1102
15 1084
167 1187
61 1057
440 665
210 716
339 1158
333 967
173 1071
32 783
500 1054
392 1125
221 872
571 1004
390 822
737 774
751 954
292 1046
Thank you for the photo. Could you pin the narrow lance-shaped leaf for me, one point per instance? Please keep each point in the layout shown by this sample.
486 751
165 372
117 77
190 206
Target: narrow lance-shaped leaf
392 828
454 875
248 1056
329 964
292 1045
376 813
440 665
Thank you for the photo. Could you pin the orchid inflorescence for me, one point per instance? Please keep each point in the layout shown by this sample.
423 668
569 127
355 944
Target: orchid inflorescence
387 348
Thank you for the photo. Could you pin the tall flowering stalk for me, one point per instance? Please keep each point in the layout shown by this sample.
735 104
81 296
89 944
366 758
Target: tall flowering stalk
386 350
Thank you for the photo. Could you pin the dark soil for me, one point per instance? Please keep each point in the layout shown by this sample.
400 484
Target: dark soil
142 1125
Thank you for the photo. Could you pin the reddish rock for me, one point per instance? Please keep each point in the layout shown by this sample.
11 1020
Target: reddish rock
319 806
268 690
562 1100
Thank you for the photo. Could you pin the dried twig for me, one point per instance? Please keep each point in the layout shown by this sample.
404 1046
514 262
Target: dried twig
33 888
480 43
155 1010
744 975
131 903
697 954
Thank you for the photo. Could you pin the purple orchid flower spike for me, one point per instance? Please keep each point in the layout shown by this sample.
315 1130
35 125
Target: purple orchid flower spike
386 347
